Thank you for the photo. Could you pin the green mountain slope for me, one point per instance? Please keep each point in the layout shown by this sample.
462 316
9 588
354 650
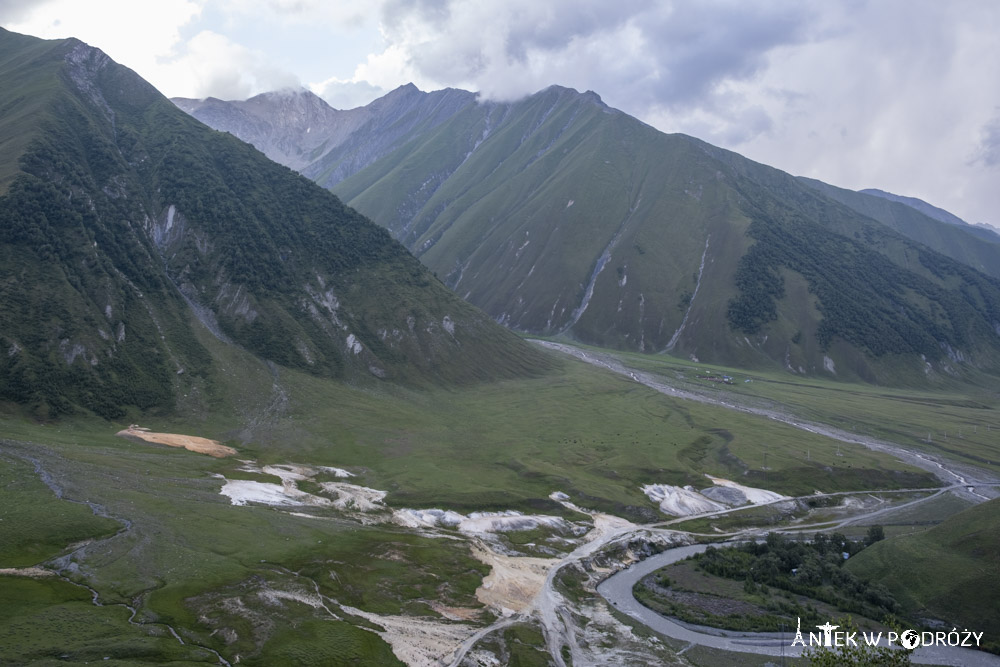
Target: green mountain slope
561 216
126 224
28 88
881 301
948 572
975 246
558 214
551 223
981 230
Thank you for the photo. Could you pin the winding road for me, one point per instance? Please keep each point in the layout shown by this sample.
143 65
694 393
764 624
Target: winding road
617 589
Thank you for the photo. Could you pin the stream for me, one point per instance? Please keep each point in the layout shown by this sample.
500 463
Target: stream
550 609
64 563
617 589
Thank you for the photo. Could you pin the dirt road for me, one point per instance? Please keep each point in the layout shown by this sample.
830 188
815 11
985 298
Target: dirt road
972 484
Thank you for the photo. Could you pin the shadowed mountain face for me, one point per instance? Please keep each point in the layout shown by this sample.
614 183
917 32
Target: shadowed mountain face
559 215
128 231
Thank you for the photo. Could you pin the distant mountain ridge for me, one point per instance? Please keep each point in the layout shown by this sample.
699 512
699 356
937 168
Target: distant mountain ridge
285 118
300 130
919 204
976 246
988 232
559 215
125 225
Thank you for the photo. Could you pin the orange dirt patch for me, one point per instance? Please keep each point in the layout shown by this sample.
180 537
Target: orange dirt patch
190 442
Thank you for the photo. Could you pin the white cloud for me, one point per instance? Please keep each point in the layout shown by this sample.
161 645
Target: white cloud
13 12
894 94
147 37
137 34
390 69
213 65
505 50
347 94
298 12
650 53
988 150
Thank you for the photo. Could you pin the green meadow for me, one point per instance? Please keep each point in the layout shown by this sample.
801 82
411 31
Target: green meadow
176 550
956 418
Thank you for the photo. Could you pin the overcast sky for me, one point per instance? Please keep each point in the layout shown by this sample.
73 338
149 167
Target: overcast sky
901 95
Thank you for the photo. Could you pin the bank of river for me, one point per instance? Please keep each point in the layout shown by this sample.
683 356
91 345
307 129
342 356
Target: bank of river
617 590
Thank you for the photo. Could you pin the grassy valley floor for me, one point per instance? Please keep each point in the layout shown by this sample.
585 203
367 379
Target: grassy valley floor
144 527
